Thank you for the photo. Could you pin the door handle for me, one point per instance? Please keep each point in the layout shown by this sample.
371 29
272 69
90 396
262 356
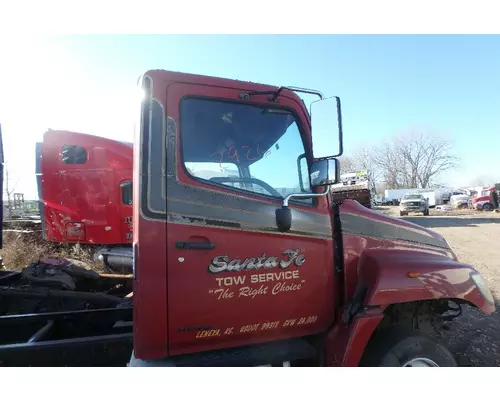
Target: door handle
195 245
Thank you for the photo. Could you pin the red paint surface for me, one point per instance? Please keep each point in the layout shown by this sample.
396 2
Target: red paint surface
345 344
88 193
382 266
170 296
315 298
169 299
481 198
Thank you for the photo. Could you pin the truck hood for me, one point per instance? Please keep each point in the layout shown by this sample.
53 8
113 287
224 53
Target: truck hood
361 221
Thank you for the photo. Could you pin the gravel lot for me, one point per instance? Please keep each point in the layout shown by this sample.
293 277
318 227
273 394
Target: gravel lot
474 236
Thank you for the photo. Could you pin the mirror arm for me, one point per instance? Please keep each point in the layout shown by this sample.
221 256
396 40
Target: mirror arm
304 195
301 183
303 90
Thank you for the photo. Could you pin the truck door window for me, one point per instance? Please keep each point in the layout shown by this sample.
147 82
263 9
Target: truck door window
71 154
245 147
126 192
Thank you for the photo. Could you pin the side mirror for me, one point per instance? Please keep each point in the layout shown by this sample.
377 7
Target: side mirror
326 128
283 218
325 172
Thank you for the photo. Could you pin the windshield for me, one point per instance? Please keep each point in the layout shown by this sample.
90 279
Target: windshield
243 146
413 197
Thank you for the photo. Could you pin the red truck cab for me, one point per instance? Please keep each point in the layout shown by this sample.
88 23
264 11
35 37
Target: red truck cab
85 190
484 200
242 258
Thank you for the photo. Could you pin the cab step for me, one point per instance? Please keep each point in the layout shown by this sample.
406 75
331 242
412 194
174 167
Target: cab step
280 353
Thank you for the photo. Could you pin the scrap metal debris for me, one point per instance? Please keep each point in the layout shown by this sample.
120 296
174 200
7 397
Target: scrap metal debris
58 272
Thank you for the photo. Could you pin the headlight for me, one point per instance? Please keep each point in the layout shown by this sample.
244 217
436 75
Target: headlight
482 287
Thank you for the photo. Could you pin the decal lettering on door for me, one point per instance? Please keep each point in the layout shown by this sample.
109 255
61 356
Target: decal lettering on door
257 327
128 222
224 263
259 284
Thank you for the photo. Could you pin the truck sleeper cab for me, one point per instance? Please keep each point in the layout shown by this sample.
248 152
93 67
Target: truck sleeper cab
240 256
85 193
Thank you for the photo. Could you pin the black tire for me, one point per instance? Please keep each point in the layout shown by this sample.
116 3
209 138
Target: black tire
402 214
395 347
487 207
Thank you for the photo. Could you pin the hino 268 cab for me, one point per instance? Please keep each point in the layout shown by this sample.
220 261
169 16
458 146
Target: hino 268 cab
241 257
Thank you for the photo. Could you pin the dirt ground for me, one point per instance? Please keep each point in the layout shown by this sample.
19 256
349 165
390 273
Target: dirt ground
475 238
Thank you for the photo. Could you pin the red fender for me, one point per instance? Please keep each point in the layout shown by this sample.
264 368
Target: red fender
345 344
399 276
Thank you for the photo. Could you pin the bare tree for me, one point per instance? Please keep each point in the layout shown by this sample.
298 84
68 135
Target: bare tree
9 190
415 160
482 180
389 162
347 165
362 159
365 160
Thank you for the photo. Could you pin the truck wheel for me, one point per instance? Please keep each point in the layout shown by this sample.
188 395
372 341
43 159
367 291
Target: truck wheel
487 207
406 348
402 214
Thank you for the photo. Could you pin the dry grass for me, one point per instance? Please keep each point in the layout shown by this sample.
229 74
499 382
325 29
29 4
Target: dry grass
22 249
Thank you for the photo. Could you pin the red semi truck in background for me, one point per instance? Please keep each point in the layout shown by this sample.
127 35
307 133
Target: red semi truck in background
241 257
485 201
85 194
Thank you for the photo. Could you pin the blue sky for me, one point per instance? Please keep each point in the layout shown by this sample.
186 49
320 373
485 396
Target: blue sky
388 84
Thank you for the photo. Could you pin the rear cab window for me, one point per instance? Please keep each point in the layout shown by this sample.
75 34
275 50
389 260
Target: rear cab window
71 154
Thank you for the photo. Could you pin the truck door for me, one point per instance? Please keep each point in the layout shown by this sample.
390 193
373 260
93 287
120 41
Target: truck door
233 278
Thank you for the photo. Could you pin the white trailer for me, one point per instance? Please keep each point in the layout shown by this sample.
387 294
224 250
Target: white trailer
433 196
442 195
432 199
397 194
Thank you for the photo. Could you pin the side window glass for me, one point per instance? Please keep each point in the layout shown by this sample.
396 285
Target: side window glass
246 147
126 192
73 154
